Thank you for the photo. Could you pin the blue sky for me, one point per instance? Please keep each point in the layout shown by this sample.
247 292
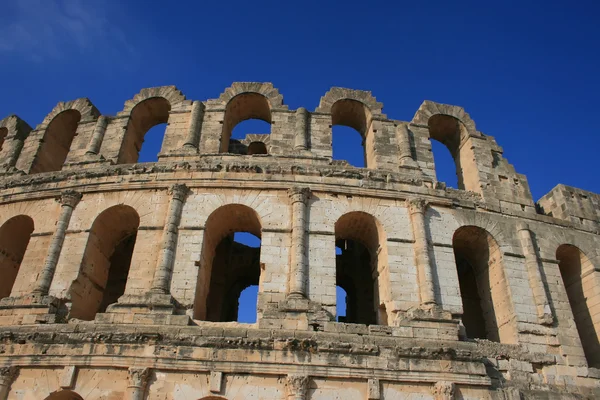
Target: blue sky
526 71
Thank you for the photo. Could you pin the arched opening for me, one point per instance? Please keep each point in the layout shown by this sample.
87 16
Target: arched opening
257 148
341 305
143 117
56 142
152 143
106 260
64 395
578 276
487 308
461 172
14 238
229 264
3 134
347 118
360 241
244 107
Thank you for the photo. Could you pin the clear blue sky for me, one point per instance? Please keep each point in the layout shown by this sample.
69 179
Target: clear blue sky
527 72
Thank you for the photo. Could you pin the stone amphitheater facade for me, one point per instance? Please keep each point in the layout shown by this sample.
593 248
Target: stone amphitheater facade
121 279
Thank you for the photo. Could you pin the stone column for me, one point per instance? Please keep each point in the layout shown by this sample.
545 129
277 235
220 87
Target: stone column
405 156
301 131
443 391
297 279
7 376
193 136
164 267
16 145
535 277
137 381
68 201
296 387
97 136
417 208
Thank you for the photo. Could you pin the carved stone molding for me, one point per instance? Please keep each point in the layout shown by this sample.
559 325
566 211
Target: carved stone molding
69 198
297 386
416 205
179 191
138 377
443 390
299 194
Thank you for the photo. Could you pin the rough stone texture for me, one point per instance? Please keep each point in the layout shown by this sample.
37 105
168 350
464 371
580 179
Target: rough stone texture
130 293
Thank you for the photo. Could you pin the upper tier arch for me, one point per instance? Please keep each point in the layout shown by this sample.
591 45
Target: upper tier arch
271 93
84 106
170 93
336 94
429 109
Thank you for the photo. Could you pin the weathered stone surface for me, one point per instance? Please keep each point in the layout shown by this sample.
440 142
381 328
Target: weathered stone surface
128 286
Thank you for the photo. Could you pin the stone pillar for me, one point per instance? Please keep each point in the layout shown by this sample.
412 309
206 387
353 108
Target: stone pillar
164 267
7 376
417 208
193 136
297 278
137 381
443 391
405 156
535 277
16 145
68 201
97 136
301 129
296 387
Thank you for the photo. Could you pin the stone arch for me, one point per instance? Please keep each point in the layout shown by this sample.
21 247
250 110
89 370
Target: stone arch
363 259
336 94
56 141
13 132
355 109
217 290
247 100
488 311
64 395
578 275
106 260
14 238
150 107
453 127
83 106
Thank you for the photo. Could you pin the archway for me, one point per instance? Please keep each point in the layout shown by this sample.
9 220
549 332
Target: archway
143 117
244 107
64 395
487 307
349 117
106 260
227 266
577 273
57 142
360 242
14 238
450 132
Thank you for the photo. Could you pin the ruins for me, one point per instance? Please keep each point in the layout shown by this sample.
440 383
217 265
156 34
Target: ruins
121 280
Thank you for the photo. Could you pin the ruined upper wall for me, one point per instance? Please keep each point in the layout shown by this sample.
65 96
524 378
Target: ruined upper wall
75 135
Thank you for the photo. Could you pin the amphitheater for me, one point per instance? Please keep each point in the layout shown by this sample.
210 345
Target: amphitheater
121 279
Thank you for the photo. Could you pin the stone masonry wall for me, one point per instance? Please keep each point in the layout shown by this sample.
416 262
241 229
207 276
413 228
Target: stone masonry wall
478 292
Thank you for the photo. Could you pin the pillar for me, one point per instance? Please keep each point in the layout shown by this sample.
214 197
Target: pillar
97 136
443 390
137 381
164 267
193 136
301 131
535 277
405 156
297 281
16 145
296 387
417 208
7 376
68 200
